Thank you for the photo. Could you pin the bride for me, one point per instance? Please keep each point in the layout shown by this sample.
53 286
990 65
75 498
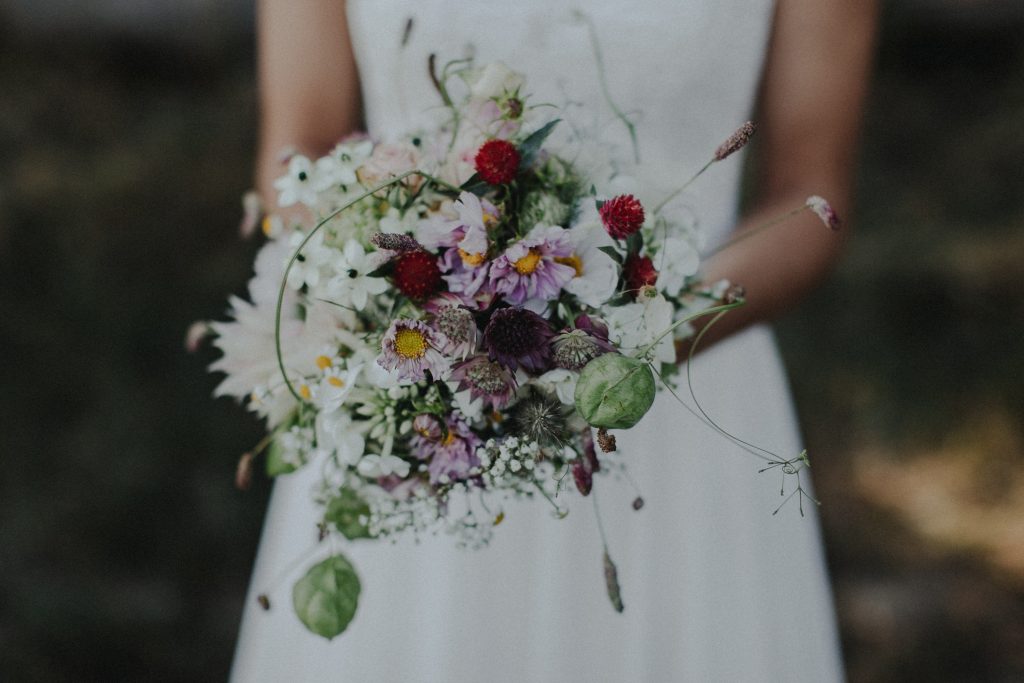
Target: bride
715 587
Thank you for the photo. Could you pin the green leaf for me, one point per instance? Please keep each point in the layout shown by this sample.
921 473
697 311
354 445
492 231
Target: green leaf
344 512
531 145
635 243
613 253
476 185
325 599
276 464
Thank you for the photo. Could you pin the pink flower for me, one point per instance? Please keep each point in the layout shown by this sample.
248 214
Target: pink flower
824 211
389 161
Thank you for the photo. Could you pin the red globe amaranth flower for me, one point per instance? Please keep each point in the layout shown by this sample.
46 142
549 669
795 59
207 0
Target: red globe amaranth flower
622 216
638 271
497 161
416 274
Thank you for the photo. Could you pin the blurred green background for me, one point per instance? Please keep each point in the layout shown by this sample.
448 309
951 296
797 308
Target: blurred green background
126 141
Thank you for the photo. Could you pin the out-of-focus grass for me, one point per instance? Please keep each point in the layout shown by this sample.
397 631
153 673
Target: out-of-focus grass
125 550
907 365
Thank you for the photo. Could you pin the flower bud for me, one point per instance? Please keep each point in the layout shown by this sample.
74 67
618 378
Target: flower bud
614 391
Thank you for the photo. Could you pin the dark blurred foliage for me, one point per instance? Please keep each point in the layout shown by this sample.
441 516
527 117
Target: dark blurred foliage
125 548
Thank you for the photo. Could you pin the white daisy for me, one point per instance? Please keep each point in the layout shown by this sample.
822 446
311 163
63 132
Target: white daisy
596 272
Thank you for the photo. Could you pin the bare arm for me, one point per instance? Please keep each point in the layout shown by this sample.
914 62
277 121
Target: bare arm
815 79
309 86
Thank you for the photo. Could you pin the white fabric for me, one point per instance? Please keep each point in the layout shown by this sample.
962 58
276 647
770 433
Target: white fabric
715 587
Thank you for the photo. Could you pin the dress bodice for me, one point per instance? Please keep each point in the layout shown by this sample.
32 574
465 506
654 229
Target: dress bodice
684 71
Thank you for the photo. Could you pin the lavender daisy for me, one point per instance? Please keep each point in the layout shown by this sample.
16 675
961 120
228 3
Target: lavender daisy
516 337
451 457
530 269
491 382
410 348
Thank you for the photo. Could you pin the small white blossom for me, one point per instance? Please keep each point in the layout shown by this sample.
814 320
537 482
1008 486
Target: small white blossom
299 184
351 286
635 326
340 165
373 465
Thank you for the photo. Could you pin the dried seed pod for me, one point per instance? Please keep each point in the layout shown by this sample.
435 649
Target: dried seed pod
605 440
243 472
736 141
611 579
394 242
734 294
583 476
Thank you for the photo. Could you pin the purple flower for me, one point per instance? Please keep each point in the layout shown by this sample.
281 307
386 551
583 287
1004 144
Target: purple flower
468 280
486 380
411 348
451 457
516 337
532 268
458 326
427 426
467 231
573 349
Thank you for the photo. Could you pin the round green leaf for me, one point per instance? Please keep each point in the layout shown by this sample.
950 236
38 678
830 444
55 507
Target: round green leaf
344 511
614 391
325 598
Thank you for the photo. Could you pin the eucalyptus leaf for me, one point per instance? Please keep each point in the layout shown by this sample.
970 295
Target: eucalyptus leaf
344 511
325 599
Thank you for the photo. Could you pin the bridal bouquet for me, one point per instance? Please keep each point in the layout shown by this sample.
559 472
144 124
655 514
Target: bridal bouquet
458 316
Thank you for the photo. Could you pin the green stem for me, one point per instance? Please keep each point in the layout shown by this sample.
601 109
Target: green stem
723 308
676 193
287 269
605 90
753 231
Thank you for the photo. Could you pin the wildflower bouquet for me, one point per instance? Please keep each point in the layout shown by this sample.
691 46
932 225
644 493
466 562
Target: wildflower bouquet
453 313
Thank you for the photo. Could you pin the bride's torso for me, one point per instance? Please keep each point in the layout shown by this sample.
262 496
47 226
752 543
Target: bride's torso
684 71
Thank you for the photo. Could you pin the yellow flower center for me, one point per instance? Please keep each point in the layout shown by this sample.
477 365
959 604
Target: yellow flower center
267 226
575 261
489 219
410 343
336 381
304 391
529 263
323 362
449 437
472 260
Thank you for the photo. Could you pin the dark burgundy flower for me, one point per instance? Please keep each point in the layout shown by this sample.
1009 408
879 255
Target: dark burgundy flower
622 216
416 274
497 161
516 337
638 271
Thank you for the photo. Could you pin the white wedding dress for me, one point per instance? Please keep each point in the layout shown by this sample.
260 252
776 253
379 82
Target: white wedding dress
715 588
